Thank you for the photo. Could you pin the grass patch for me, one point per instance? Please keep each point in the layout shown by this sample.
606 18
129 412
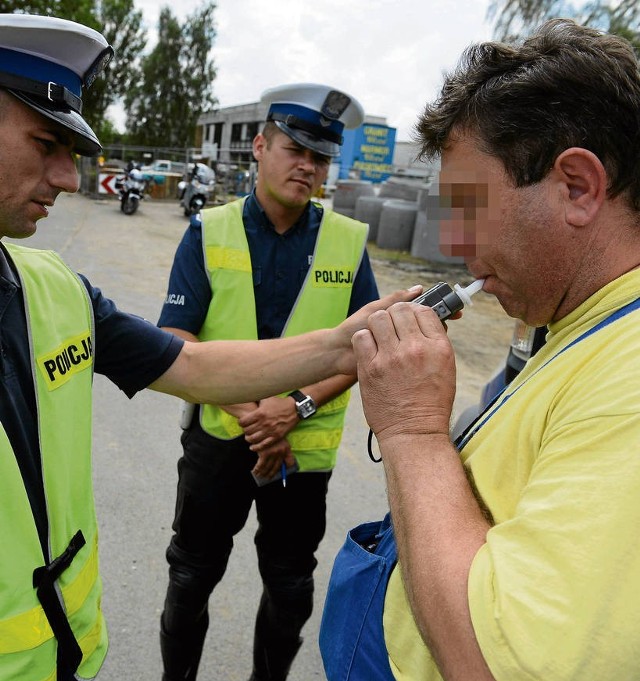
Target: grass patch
378 253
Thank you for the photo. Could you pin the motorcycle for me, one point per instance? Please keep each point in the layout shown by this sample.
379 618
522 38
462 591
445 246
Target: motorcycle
132 187
195 193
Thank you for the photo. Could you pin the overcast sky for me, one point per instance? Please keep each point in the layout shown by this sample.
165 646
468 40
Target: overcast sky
389 54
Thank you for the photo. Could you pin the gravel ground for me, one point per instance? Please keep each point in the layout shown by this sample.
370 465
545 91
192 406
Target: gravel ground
136 444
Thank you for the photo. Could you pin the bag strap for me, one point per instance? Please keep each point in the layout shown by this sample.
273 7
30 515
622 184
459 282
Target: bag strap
496 403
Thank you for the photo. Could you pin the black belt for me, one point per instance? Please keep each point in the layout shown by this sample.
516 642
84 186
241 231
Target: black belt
52 92
317 130
44 579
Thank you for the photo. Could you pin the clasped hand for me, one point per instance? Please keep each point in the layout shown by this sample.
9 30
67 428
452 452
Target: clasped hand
265 429
406 371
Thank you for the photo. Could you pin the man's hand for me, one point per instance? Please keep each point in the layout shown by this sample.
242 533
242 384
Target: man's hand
343 333
273 418
270 459
406 369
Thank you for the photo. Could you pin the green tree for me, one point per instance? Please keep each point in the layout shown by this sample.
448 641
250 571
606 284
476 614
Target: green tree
177 81
109 133
515 18
82 11
121 24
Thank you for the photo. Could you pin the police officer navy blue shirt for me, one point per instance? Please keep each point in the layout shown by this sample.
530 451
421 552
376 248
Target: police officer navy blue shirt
279 261
221 478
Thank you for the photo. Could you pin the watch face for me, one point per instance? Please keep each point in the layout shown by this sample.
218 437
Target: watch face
306 408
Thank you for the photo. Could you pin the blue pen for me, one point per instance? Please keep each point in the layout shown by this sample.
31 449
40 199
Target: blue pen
283 468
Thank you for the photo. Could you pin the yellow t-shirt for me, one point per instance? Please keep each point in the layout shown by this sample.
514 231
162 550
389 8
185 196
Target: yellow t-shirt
554 593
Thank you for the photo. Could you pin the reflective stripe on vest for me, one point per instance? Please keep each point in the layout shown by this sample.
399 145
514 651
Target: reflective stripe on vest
323 302
60 325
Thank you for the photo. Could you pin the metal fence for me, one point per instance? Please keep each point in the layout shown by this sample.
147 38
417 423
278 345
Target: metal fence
235 178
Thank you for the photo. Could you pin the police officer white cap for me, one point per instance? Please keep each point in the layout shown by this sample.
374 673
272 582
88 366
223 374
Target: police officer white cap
45 62
313 115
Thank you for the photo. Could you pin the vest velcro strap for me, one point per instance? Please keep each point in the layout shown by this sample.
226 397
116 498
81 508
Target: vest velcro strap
31 629
44 578
58 565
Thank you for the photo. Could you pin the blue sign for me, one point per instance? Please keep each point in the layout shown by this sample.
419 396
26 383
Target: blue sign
369 150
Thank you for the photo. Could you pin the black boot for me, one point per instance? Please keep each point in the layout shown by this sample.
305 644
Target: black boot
181 645
281 615
177 663
272 658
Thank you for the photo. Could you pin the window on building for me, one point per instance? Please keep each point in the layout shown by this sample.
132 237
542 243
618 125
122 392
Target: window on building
236 132
217 134
244 132
252 130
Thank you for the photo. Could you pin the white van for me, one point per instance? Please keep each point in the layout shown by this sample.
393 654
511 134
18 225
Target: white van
165 166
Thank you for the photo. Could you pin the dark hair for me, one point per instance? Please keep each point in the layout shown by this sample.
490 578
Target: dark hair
269 131
565 86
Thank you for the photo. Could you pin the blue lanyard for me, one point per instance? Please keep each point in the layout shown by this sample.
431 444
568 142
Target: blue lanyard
496 403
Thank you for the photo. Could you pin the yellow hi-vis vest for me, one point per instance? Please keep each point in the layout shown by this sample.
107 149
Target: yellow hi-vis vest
323 302
61 334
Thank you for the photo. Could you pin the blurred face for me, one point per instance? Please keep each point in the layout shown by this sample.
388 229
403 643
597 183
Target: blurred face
512 237
289 174
36 164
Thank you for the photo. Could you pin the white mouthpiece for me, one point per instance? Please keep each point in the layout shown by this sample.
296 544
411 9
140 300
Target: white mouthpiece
465 293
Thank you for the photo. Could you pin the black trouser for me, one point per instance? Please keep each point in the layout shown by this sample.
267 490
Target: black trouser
215 493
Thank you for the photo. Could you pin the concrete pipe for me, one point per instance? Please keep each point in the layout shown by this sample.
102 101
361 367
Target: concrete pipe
407 190
347 193
368 209
397 222
426 234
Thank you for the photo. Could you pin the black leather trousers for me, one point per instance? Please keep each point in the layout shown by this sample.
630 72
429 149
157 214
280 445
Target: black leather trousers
215 493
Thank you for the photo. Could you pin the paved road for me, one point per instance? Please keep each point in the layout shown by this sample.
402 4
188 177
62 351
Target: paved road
136 449
135 452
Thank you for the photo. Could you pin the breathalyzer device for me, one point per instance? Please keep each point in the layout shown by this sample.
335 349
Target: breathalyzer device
446 301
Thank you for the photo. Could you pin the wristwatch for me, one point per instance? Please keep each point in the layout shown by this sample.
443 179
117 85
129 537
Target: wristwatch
305 406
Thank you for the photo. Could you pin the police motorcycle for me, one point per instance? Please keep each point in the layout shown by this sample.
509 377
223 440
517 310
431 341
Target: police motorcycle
131 187
195 192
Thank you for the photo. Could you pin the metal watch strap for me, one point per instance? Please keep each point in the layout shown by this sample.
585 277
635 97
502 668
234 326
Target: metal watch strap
305 406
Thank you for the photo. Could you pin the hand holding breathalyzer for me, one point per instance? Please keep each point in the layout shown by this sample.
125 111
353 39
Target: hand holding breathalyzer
406 364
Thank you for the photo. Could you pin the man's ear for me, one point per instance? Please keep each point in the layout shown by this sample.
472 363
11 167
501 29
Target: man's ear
259 143
584 182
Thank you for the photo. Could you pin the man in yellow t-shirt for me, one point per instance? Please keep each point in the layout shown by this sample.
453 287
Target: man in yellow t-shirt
516 551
